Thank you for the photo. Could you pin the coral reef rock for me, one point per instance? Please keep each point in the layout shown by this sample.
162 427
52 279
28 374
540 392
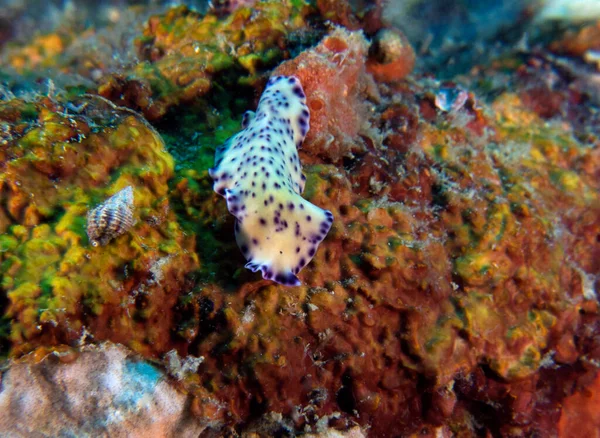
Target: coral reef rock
185 53
58 159
334 78
98 391
456 292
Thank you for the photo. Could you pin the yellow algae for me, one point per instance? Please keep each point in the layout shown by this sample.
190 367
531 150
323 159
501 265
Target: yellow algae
170 247
537 155
7 243
41 232
474 268
42 51
481 318
71 226
499 221
232 319
511 112
66 295
568 180
26 293
268 300
9 268
73 259
323 300
439 340
49 271
250 62
527 364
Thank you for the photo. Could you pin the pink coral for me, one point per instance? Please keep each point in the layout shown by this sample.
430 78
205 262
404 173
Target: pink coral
334 78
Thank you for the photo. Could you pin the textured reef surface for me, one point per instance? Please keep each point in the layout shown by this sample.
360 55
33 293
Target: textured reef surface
456 292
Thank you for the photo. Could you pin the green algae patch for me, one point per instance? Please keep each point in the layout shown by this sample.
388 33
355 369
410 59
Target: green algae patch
8 243
194 137
202 214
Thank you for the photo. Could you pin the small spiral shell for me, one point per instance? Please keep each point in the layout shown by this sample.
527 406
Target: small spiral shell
111 218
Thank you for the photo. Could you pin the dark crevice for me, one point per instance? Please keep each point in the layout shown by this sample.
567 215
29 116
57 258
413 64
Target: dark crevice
345 397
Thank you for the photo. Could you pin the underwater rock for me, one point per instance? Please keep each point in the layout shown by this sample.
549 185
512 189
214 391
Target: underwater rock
76 54
391 57
456 293
274 424
260 175
59 158
579 415
185 53
340 12
152 62
336 84
43 51
92 392
463 254
226 7
578 43
111 218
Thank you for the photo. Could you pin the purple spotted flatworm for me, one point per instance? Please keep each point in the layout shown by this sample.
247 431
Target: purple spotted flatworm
258 172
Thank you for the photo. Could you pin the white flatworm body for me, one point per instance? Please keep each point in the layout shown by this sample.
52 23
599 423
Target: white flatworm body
258 172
